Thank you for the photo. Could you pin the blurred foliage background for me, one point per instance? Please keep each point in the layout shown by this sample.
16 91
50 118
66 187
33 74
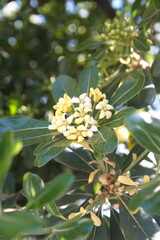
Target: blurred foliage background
38 41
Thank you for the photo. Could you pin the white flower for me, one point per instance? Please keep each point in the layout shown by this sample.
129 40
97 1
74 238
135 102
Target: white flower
104 108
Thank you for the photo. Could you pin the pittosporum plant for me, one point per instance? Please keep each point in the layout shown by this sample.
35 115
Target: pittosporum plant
96 131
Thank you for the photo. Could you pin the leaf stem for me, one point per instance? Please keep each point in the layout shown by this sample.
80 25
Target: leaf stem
137 160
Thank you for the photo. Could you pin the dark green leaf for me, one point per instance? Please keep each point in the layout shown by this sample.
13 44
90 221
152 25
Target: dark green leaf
147 198
8 149
137 226
115 228
129 88
88 78
86 44
52 191
50 150
141 43
149 12
75 230
75 156
101 232
155 68
147 94
156 81
52 209
28 130
64 84
157 4
32 184
12 224
104 141
74 196
145 129
117 119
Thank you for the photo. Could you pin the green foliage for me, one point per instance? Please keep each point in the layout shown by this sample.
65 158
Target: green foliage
141 226
8 149
147 198
145 130
103 140
52 191
131 86
142 43
18 224
88 78
64 84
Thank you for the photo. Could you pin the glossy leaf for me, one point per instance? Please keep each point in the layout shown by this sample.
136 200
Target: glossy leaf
115 228
8 149
147 198
50 150
104 141
145 129
75 230
149 12
101 232
76 157
88 78
156 81
74 196
157 4
32 184
28 130
141 43
64 84
117 119
86 44
52 191
129 88
155 68
137 226
12 224
52 209
147 94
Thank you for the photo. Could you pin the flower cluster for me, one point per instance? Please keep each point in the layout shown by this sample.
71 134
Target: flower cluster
77 117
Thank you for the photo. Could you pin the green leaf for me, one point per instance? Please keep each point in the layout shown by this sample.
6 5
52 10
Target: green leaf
50 150
137 226
75 230
32 184
117 119
141 43
8 149
16 223
88 78
129 88
147 198
29 130
157 4
101 232
52 209
104 141
155 68
76 157
115 228
147 94
145 129
86 44
53 190
156 81
149 12
64 84
74 196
